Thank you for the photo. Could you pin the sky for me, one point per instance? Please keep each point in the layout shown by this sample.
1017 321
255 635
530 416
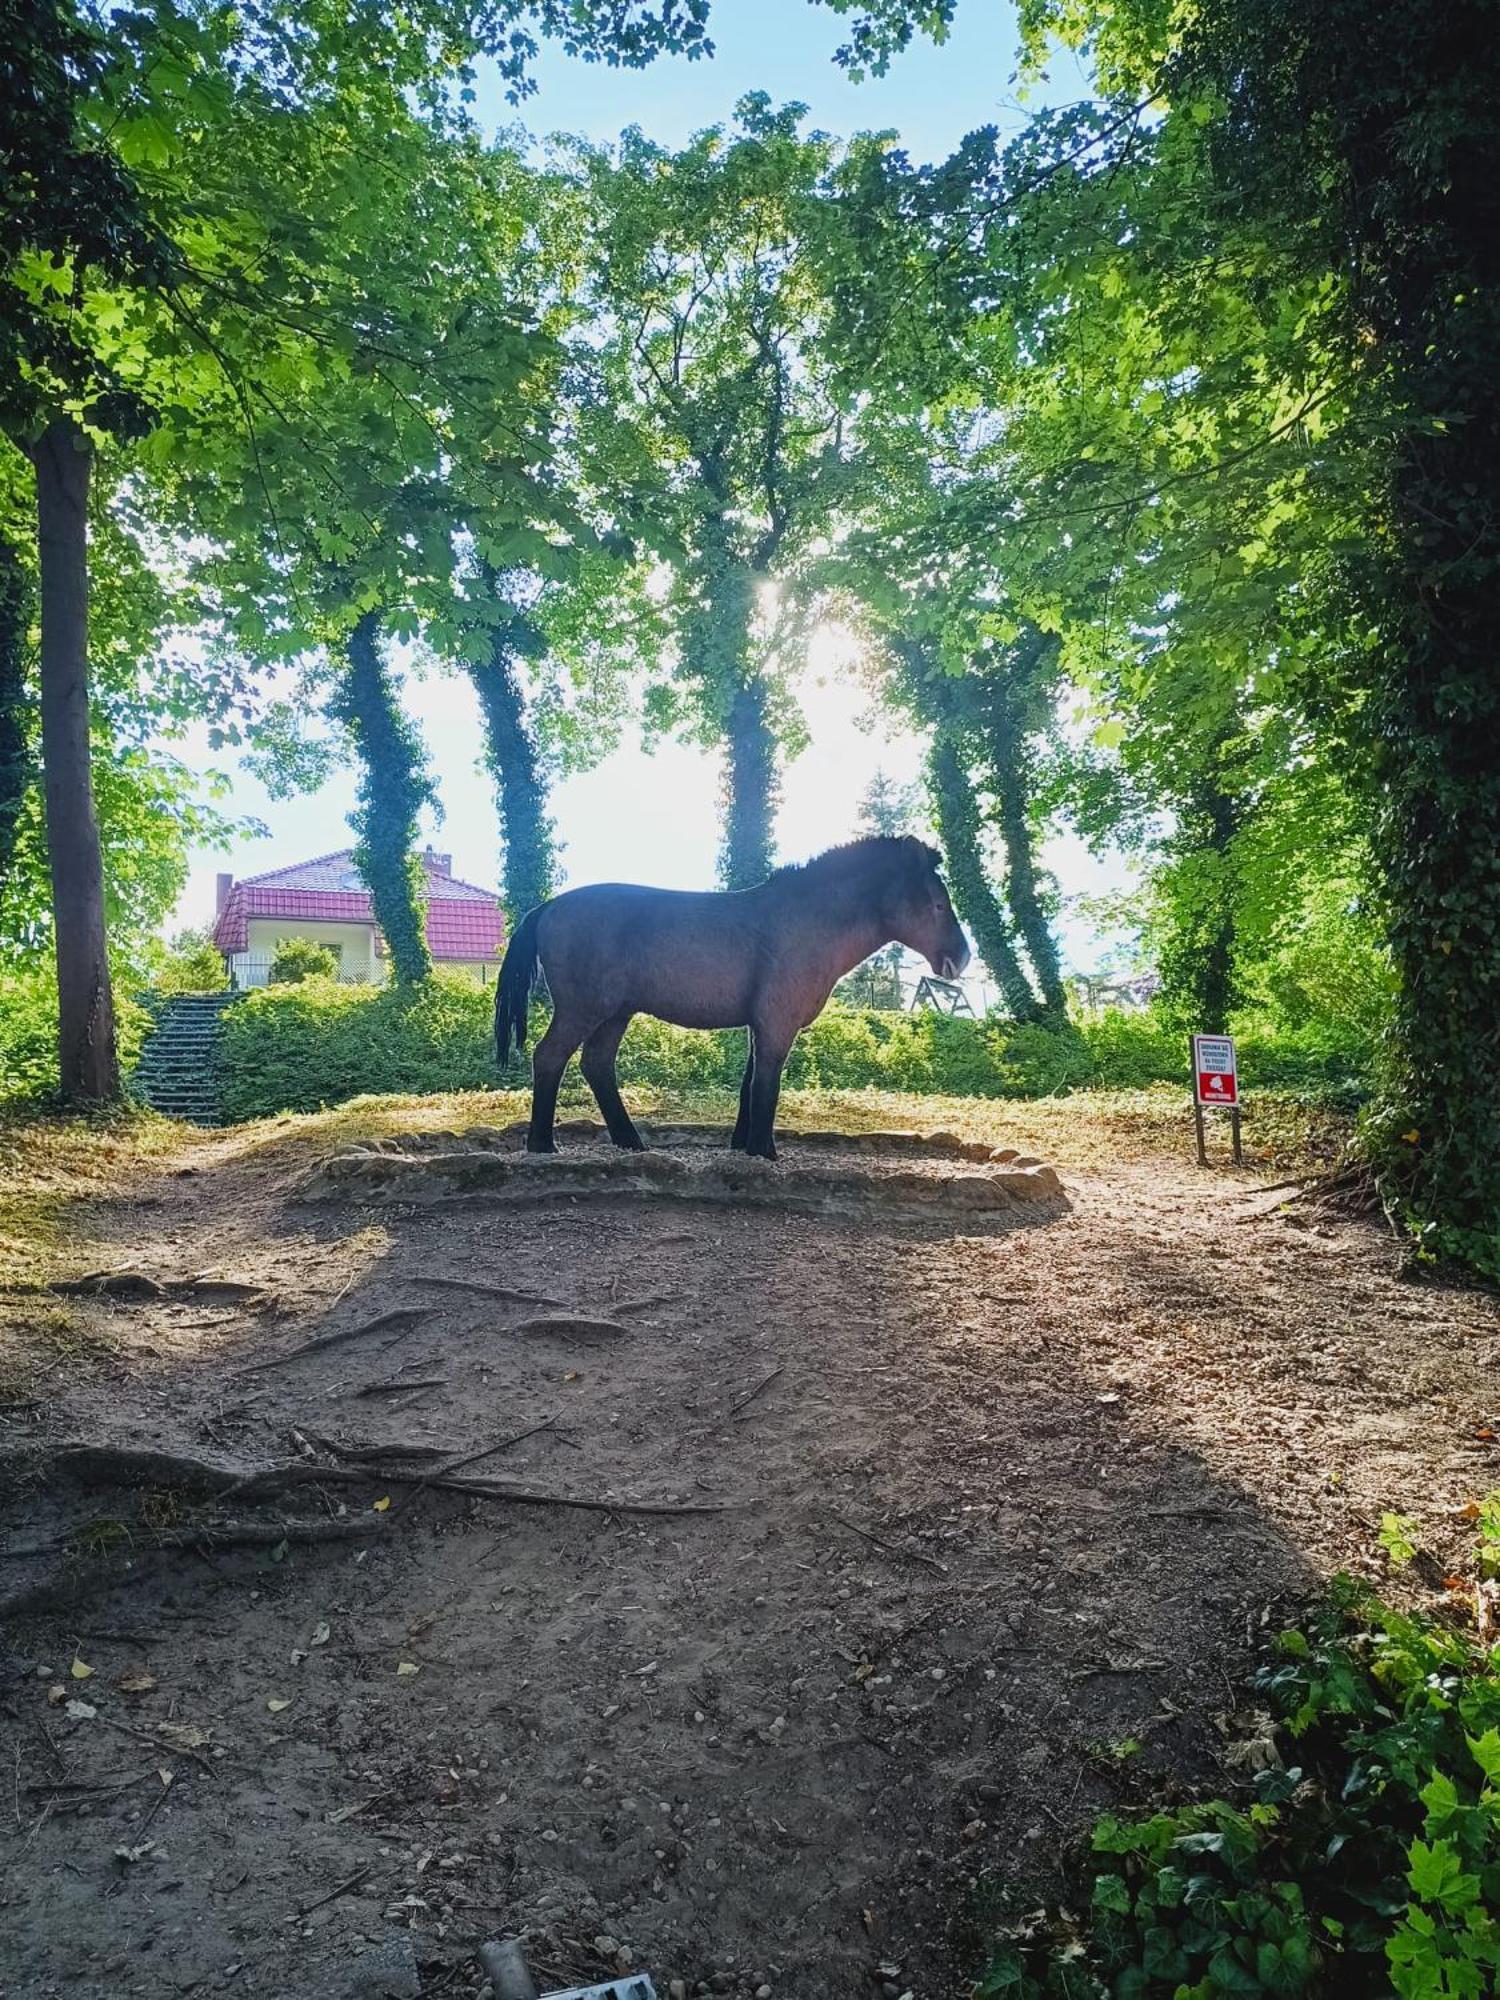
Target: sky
654 818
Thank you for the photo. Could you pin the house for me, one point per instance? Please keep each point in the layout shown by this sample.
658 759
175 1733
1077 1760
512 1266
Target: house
327 902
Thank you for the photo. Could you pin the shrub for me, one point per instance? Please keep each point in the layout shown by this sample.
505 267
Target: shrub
1367 1862
297 959
296 1048
300 1047
190 964
28 1031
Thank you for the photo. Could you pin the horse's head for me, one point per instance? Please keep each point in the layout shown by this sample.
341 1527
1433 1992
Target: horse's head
919 912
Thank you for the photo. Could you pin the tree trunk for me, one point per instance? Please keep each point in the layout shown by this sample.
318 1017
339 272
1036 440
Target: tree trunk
973 897
1008 767
393 789
1196 956
88 1066
526 830
1436 722
716 657
15 731
750 786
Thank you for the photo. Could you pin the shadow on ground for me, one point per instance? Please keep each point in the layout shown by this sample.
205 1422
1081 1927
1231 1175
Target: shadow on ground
995 1504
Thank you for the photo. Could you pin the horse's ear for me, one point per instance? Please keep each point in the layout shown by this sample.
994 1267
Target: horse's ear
927 857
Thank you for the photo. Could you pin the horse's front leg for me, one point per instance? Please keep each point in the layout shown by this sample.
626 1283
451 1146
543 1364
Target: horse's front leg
771 1051
742 1124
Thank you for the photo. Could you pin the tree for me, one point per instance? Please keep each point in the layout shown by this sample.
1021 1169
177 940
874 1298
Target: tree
514 754
1321 185
394 787
16 764
719 432
141 285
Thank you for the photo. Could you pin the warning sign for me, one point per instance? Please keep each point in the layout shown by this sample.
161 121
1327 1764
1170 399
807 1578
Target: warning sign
1215 1080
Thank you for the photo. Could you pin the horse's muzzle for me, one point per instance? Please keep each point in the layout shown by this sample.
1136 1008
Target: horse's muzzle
952 968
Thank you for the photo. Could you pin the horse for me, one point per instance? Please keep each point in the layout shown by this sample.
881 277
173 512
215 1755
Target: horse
765 959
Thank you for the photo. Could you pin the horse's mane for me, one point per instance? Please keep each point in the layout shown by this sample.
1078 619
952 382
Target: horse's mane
877 856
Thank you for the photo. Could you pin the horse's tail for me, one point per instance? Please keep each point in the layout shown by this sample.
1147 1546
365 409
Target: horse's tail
513 988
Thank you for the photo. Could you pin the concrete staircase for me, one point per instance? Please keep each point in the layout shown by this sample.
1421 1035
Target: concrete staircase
178 1071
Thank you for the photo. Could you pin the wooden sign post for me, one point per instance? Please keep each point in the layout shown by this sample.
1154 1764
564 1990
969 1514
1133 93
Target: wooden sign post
1216 1082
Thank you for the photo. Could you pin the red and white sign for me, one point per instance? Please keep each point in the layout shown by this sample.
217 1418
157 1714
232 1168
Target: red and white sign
1214 1078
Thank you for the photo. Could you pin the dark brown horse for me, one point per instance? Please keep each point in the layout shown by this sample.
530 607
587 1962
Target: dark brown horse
765 959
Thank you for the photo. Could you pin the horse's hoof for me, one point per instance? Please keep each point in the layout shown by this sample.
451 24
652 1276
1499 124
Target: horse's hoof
537 1146
636 1145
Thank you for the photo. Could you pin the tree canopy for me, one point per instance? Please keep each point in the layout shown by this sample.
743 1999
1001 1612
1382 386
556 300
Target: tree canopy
1150 454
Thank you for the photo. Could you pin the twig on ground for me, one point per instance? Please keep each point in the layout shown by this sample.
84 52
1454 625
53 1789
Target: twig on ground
444 1472
266 1534
1119 1667
745 1400
1274 1187
507 1292
891 1548
402 1318
343 1889
156 1805
399 1388
157 1744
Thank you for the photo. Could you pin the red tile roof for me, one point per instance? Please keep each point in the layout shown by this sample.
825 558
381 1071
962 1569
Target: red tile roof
463 921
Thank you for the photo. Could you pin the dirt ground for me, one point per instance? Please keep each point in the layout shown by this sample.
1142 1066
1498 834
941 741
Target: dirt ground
997 1505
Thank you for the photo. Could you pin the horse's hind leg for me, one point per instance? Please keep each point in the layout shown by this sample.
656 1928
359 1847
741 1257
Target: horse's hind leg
553 1054
598 1063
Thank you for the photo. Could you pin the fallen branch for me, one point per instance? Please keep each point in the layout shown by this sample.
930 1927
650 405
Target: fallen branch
374 1454
106 1464
140 1285
402 1318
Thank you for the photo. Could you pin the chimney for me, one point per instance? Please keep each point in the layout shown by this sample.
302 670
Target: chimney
223 887
438 864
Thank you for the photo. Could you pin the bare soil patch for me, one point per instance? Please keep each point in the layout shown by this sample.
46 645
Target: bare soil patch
991 1492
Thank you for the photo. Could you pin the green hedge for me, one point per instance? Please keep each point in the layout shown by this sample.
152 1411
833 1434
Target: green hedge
28 1032
299 1048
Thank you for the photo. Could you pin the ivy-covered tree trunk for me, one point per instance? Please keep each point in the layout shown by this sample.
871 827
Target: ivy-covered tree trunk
1197 948
393 789
750 787
1005 745
1366 132
15 707
88 1066
717 659
1437 728
516 765
973 896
